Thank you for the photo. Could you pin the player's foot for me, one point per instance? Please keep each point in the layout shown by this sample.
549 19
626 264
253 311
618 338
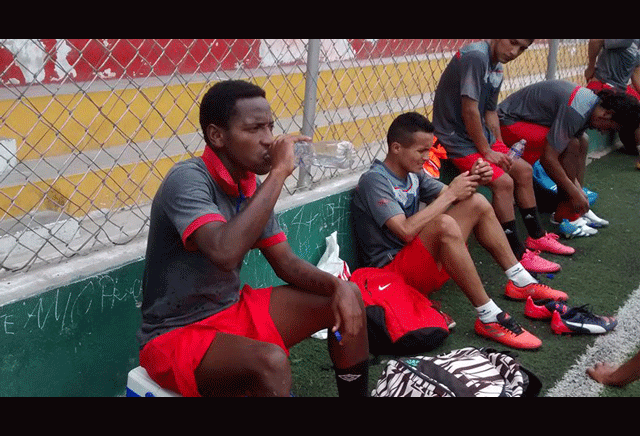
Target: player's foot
532 262
537 291
507 332
570 230
549 243
594 221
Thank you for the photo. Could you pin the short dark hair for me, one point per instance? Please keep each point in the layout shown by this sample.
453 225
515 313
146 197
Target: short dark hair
626 109
219 102
405 125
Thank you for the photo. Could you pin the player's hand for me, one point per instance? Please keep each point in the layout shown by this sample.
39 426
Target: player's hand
589 72
499 159
601 372
483 169
464 185
348 310
580 203
281 152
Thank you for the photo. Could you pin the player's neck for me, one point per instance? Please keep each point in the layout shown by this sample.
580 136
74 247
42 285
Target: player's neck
395 168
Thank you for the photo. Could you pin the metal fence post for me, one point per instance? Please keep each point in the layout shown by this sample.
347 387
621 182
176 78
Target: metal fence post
552 59
310 100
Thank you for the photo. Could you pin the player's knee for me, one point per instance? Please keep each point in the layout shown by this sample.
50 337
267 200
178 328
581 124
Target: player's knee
523 172
272 373
446 227
481 204
503 185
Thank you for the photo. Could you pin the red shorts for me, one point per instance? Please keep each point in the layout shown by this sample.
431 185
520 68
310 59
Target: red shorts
419 269
596 85
171 358
465 163
534 134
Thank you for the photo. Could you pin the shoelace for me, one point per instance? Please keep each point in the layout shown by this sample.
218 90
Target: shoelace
531 253
542 285
585 311
511 325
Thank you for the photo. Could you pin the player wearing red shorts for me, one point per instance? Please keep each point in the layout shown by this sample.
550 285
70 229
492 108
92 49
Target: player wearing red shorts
428 245
615 64
464 116
552 116
201 333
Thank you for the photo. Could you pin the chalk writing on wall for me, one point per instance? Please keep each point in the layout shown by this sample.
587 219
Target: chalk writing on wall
65 307
306 228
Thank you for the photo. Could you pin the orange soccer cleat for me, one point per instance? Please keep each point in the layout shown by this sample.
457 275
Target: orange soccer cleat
537 291
508 332
543 309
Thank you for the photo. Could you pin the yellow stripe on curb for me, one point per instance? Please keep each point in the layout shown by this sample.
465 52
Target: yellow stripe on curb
79 194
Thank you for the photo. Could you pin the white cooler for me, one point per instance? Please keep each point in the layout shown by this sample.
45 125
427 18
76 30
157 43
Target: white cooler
139 384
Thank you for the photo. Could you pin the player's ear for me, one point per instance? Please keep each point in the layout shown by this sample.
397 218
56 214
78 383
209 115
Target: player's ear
215 135
394 147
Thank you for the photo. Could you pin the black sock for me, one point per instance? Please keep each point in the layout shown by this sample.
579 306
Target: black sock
532 222
354 381
514 240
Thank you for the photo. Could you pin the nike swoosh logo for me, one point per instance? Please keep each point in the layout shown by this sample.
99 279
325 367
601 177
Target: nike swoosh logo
382 288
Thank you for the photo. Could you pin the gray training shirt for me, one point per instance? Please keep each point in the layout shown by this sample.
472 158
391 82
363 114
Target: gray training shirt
180 284
379 196
562 106
471 74
616 62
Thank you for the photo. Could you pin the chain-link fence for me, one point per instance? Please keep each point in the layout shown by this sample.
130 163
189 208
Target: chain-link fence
89 127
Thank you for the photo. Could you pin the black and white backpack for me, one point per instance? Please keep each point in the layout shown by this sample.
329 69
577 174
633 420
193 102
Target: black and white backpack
466 372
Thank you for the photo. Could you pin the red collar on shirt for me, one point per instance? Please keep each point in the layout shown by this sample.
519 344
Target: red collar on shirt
247 185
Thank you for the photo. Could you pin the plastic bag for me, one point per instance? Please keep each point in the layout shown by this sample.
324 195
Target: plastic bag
330 262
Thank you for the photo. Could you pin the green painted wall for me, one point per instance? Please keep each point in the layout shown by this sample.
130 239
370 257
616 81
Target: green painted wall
75 340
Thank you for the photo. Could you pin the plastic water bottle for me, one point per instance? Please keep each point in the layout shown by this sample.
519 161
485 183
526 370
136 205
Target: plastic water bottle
516 149
325 154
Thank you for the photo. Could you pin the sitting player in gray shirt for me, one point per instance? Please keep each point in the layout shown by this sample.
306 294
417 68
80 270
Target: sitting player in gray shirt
615 64
428 246
201 333
466 123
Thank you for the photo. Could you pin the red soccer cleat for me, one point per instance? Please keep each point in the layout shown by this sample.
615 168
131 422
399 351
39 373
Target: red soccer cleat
507 332
549 243
536 291
543 309
531 261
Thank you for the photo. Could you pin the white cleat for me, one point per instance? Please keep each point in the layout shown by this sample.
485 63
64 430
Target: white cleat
594 221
